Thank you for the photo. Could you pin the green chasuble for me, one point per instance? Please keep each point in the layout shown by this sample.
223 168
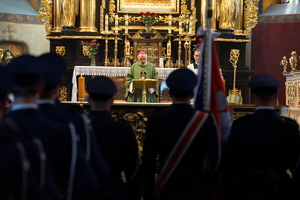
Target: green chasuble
134 73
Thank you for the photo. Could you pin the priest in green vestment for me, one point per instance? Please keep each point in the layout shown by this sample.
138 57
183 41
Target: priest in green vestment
141 67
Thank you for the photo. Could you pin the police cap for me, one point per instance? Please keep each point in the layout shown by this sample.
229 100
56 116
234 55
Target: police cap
181 81
5 83
263 85
101 88
26 70
55 69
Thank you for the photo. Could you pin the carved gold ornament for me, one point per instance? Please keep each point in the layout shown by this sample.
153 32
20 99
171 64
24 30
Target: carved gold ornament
60 50
85 50
73 37
250 15
63 93
293 60
290 93
45 16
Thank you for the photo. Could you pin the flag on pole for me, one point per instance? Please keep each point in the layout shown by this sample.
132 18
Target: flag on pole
209 92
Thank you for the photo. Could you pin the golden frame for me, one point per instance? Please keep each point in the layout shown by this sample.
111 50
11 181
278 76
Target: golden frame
157 6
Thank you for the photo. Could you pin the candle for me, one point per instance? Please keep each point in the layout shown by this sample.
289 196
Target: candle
223 81
81 87
170 24
126 23
180 28
106 23
161 62
191 25
169 48
116 24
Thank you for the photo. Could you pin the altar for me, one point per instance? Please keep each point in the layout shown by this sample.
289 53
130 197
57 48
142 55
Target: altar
119 31
117 74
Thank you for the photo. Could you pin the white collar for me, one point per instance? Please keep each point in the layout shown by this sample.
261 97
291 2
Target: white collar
22 106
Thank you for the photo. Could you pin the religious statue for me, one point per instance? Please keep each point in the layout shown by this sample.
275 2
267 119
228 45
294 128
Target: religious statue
284 63
293 60
69 12
226 13
1 56
8 57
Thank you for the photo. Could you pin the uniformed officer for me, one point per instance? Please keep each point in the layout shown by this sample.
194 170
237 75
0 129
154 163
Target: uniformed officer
53 109
24 171
263 149
184 141
59 140
116 138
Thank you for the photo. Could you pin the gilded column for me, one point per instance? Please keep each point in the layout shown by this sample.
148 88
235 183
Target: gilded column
239 21
135 52
214 15
56 18
203 14
87 16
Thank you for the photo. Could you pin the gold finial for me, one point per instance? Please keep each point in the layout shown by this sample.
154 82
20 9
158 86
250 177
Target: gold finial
293 60
284 63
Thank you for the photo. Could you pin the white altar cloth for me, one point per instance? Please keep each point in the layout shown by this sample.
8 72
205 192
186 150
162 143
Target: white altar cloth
107 71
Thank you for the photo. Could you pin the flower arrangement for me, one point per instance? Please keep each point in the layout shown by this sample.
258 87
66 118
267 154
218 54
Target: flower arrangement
90 48
148 18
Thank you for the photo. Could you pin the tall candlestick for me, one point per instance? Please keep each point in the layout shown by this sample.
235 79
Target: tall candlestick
170 24
126 23
116 24
81 86
106 23
180 28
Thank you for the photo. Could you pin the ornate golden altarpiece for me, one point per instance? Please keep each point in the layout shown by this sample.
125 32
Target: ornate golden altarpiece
115 23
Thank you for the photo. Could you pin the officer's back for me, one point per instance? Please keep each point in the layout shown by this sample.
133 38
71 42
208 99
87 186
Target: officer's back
116 139
59 140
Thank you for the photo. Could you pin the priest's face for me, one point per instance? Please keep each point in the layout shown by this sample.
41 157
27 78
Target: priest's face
142 59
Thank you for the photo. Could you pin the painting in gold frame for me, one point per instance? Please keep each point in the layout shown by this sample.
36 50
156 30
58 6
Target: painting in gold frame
157 6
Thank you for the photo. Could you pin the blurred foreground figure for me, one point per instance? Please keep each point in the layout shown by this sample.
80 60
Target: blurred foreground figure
58 140
263 149
24 169
53 109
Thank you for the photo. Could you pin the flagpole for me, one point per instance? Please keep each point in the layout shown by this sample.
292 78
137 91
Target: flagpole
208 49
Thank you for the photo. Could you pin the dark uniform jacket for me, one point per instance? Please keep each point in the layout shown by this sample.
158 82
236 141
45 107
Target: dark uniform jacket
118 144
261 146
87 138
62 150
189 180
24 174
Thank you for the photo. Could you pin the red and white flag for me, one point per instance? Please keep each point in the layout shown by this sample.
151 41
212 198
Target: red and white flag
209 92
